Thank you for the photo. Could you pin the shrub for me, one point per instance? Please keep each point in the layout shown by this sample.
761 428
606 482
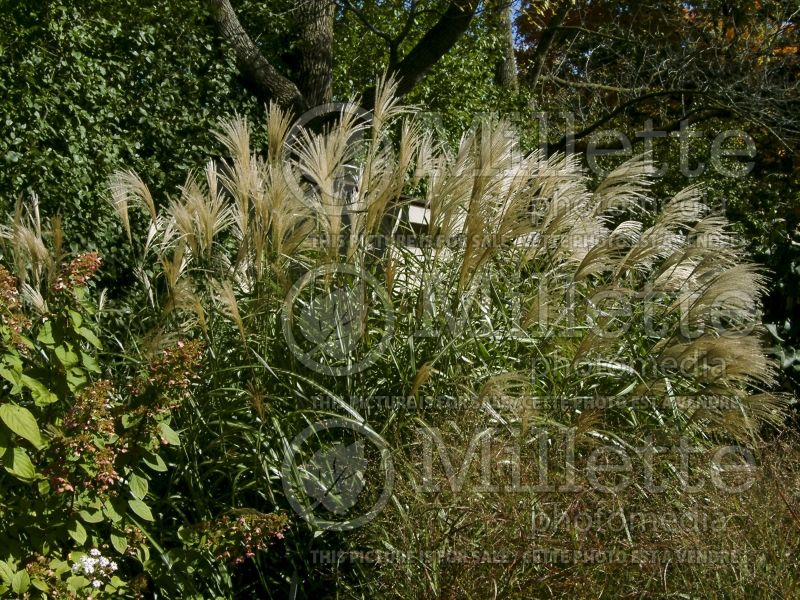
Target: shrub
81 434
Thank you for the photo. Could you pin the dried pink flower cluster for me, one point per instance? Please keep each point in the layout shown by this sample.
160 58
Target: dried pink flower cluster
89 427
78 272
136 539
10 308
164 386
91 412
238 537
9 295
39 568
176 368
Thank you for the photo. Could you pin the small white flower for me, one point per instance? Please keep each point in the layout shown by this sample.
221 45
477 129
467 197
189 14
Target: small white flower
113 566
75 567
88 562
96 583
94 552
104 562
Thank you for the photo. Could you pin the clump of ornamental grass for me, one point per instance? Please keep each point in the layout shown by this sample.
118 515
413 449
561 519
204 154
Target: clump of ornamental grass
526 301
523 275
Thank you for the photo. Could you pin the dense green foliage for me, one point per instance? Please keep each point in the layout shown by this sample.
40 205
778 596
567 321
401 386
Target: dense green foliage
89 88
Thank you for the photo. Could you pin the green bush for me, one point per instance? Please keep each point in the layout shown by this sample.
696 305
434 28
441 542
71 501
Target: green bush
82 433
91 87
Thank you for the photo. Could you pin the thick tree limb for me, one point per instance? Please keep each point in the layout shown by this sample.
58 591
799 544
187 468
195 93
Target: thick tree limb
579 143
259 75
436 42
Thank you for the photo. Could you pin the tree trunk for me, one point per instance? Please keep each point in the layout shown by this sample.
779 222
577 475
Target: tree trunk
315 21
507 67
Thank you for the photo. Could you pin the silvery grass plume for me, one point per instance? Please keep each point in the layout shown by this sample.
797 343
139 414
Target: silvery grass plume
521 264
35 250
25 242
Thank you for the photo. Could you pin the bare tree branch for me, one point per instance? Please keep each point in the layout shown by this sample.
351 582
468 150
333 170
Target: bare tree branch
586 30
366 22
543 47
594 86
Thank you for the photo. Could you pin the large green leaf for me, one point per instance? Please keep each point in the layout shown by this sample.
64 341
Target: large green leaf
6 572
66 356
19 464
119 541
41 395
154 461
12 375
138 486
22 422
5 441
91 517
169 434
46 334
141 509
114 510
77 532
90 337
20 582
77 582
